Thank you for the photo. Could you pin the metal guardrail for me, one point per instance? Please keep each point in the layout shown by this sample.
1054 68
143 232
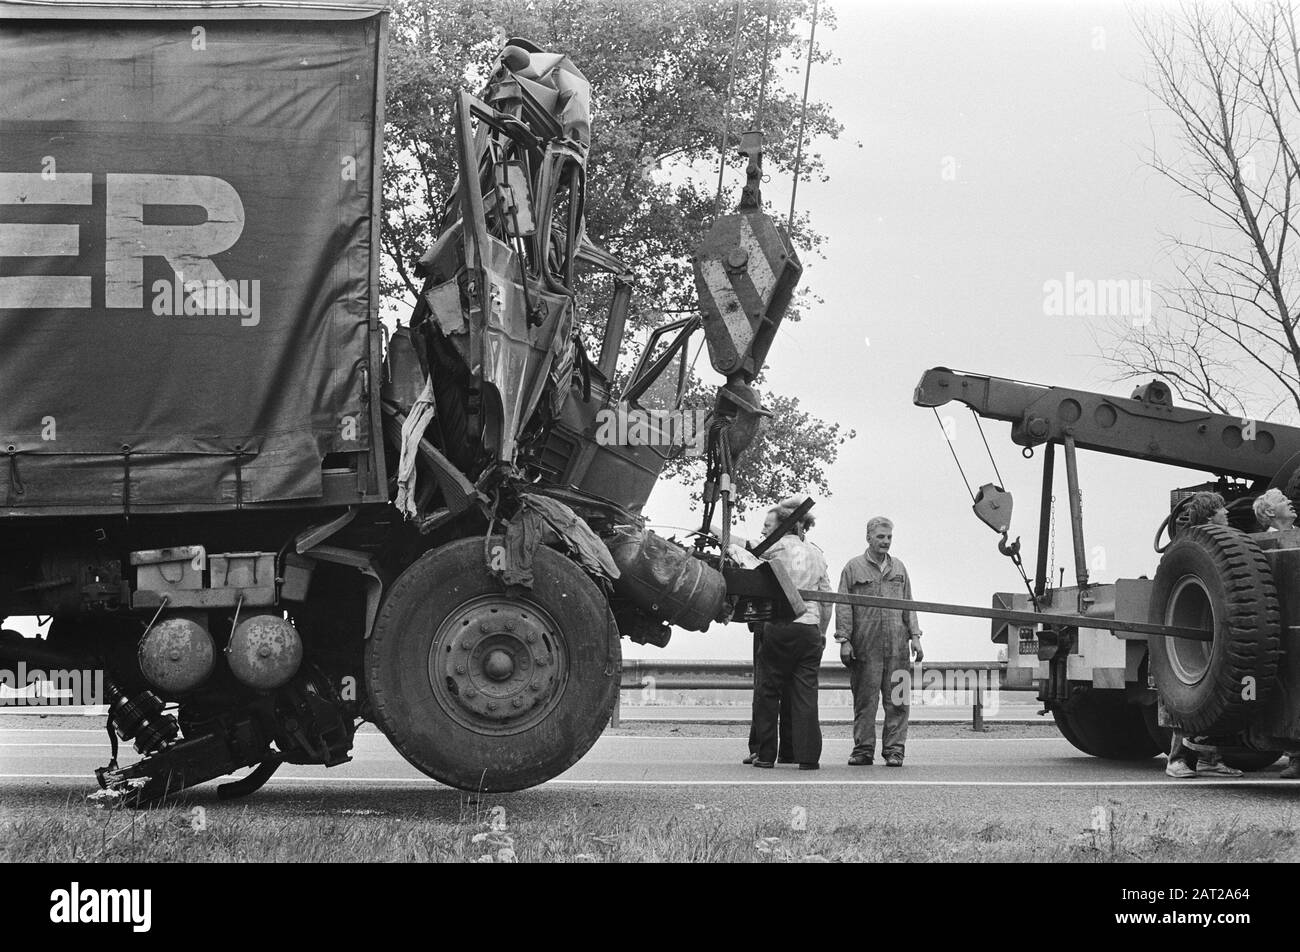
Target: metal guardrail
720 676
739 676
55 710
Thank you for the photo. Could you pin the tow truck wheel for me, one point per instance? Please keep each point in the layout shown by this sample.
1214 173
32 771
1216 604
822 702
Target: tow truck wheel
1066 728
1216 578
488 689
1163 737
1102 724
1251 760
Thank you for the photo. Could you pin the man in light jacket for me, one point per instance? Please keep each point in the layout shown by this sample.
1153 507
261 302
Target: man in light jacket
878 646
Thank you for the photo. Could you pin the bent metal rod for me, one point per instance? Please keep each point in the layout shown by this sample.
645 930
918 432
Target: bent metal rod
1003 614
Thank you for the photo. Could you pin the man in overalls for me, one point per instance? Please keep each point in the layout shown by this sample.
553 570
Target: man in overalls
878 646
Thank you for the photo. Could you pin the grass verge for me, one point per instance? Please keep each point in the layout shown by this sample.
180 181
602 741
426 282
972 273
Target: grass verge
698 833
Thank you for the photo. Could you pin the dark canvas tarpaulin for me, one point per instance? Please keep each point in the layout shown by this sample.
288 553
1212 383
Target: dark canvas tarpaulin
186 283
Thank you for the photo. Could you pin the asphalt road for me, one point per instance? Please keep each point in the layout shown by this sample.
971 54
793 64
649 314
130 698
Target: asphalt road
963 777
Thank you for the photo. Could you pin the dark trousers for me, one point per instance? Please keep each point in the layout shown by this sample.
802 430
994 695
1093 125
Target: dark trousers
873 678
791 657
785 737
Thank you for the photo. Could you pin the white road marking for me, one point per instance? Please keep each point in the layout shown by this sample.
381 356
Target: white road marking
848 740
52 730
763 783
94 746
611 737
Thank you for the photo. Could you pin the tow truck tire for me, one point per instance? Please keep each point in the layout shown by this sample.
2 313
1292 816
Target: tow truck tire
489 689
1067 729
1217 578
1251 760
1163 737
1102 724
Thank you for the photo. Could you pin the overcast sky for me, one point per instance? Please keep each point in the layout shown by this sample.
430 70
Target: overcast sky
1037 112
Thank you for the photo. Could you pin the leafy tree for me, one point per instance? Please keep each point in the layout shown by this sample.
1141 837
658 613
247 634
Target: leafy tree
667 78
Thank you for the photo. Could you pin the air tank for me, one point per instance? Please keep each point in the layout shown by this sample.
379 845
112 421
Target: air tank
176 654
264 652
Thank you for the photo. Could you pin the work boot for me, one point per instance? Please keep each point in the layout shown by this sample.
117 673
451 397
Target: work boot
893 760
861 760
1179 770
1292 769
765 764
810 766
750 758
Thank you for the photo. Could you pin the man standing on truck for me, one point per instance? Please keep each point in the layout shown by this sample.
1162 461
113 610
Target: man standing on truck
878 645
1274 511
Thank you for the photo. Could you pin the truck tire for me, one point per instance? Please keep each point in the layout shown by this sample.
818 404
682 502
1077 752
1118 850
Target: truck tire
1067 730
490 690
1162 737
1251 760
1105 725
1217 578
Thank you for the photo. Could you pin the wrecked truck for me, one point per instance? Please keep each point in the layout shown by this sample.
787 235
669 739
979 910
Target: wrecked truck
263 525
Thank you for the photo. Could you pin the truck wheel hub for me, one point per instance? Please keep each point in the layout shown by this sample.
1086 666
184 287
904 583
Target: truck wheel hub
497 665
1190 606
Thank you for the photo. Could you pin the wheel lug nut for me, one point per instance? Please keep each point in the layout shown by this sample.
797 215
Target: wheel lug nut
531 639
492 705
517 703
460 669
534 686
482 626
510 626
470 692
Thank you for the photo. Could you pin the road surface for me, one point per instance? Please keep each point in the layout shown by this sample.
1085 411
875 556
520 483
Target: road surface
961 777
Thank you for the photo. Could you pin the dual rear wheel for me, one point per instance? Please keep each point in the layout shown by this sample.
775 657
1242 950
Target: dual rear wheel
1212 578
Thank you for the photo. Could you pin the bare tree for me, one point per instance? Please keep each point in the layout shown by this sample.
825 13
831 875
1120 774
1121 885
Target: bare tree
1229 79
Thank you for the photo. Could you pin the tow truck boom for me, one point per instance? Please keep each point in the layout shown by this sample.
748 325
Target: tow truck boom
1144 426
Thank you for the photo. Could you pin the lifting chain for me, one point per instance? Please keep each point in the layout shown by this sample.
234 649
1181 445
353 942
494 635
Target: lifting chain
1010 549
1051 535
